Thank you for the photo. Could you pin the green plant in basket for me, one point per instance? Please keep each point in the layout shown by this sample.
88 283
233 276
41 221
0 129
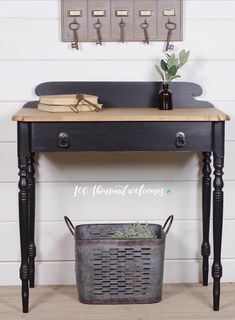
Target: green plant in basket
169 66
135 231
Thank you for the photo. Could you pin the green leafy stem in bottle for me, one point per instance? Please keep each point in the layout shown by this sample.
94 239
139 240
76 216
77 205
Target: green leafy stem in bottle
171 64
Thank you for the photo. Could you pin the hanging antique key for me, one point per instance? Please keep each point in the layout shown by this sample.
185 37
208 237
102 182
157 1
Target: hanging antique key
122 31
145 26
98 27
170 26
74 26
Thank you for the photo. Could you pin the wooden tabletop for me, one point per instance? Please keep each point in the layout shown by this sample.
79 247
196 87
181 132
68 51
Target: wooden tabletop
123 114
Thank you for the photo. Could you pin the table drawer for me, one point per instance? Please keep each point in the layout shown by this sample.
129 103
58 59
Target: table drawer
121 136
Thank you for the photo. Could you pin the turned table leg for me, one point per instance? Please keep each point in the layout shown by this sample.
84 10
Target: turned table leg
23 221
217 226
31 208
217 210
23 163
206 207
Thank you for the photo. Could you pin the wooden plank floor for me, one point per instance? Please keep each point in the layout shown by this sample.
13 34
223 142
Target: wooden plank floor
184 301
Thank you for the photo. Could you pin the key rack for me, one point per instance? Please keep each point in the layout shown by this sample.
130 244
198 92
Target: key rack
121 21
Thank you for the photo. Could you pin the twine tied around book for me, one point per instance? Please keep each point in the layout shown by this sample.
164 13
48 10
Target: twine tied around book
80 98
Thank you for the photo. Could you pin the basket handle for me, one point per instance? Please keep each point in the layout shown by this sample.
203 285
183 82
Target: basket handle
168 224
69 225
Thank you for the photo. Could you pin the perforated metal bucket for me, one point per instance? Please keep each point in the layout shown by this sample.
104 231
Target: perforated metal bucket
111 271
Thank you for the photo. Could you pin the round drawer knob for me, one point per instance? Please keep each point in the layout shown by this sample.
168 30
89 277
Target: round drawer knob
180 140
63 140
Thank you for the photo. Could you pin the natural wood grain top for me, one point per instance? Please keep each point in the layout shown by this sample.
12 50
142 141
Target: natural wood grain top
123 114
180 302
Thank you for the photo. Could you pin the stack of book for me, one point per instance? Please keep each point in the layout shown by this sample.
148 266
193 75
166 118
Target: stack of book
69 103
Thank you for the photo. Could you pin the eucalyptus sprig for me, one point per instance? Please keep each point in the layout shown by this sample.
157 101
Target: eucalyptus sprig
171 64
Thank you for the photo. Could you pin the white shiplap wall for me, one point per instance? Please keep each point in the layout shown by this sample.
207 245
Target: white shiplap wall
31 53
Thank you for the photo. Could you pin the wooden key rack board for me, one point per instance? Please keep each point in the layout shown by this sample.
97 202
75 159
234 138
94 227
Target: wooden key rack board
121 21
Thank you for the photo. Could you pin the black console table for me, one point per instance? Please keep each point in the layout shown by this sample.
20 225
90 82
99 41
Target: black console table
128 122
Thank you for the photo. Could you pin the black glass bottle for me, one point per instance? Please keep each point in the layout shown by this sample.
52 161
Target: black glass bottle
165 98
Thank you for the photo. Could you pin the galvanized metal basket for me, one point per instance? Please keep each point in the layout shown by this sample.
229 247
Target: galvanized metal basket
113 271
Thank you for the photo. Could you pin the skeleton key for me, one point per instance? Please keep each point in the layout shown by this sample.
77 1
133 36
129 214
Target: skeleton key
145 26
122 31
98 26
170 26
74 26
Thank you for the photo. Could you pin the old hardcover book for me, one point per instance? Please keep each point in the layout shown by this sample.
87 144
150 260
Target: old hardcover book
66 99
68 108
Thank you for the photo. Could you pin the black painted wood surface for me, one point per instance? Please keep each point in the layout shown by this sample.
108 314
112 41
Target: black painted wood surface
23 151
127 94
121 136
218 199
31 208
206 208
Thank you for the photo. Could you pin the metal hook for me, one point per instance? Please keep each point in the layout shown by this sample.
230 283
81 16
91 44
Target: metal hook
74 26
170 25
145 24
97 24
